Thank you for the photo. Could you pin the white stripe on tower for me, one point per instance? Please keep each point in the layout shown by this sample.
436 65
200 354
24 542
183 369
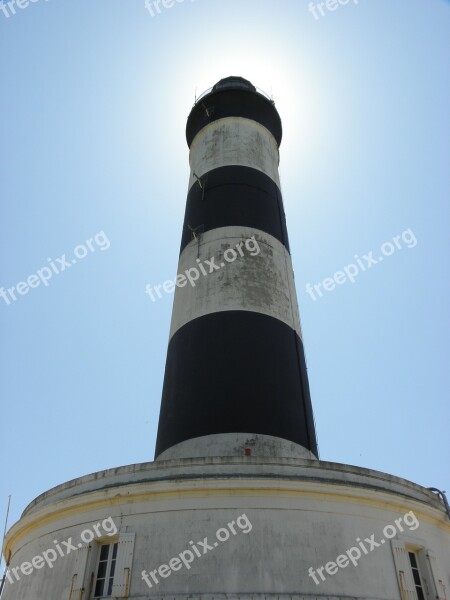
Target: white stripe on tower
234 141
241 274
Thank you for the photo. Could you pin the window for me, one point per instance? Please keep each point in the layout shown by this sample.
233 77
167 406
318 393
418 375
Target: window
105 570
416 575
418 570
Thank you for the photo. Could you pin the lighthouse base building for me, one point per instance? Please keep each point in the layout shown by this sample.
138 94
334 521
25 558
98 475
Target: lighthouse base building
237 504
259 521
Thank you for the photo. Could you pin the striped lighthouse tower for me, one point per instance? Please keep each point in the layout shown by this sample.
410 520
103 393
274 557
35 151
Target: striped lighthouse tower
235 368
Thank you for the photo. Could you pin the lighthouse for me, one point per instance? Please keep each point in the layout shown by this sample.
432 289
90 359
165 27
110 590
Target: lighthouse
235 361
237 504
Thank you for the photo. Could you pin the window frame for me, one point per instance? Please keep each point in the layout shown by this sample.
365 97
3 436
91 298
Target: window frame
108 582
422 586
433 586
86 567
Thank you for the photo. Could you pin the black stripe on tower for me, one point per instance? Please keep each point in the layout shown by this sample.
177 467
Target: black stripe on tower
237 98
235 195
236 372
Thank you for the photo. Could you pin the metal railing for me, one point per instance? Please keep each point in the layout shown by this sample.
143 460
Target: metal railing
258 90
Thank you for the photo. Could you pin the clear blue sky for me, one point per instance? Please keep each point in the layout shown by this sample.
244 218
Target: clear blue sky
95 101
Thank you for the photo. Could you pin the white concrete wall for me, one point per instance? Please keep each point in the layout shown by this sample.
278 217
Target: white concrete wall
234 141
236 444
303 514
262 282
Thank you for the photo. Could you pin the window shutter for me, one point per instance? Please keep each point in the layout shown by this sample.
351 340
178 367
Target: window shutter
77 588
403 568
122 576
436 576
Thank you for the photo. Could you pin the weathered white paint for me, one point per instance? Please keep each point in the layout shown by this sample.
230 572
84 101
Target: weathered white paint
235 444
234 141
303 514
263 283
